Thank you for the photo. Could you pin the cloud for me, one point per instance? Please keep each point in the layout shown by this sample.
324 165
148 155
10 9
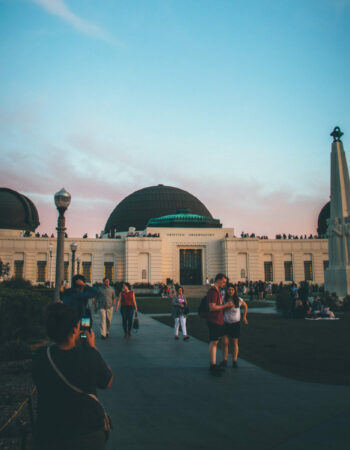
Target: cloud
60 9
99 173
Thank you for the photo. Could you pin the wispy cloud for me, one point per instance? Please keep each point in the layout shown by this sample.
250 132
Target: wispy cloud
60 9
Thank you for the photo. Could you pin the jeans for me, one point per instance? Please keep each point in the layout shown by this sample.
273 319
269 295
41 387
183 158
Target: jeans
127 313
180 320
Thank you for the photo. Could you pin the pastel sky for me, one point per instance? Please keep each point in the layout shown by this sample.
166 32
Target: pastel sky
230 100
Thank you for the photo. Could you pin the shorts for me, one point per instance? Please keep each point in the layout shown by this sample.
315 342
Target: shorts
216 331
232 330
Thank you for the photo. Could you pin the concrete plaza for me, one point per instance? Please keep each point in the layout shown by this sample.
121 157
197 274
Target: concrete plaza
163 397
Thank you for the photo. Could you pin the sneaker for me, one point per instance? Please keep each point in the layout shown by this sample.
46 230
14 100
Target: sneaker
215 370
223 364
103 337
186 337
234 364
176 338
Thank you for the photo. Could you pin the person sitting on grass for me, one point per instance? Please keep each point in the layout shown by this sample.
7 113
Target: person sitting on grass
316 307
326 310
66 419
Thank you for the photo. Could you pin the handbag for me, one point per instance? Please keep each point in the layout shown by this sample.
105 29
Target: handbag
108 426
136 323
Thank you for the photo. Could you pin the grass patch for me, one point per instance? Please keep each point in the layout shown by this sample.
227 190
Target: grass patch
314 351
158 305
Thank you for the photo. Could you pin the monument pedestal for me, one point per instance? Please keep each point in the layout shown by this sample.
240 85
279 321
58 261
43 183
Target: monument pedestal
337 279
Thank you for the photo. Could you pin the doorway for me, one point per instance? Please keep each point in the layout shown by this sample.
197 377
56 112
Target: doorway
191 266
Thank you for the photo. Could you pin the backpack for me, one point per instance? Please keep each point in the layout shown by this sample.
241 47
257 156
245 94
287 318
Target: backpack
203 308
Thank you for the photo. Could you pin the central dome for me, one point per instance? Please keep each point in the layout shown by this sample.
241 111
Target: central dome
155 201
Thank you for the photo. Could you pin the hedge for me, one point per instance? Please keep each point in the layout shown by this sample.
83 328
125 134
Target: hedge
22 314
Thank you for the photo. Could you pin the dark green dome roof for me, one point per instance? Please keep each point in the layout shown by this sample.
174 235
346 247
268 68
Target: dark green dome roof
323 217
155 201
184 219
17 212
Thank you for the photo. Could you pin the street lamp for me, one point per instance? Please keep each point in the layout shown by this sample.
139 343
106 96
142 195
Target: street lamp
50 270
73 247
62 201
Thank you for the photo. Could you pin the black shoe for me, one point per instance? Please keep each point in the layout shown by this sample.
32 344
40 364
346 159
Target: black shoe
176 338
234 364
186 337
103 337
223 364
215 370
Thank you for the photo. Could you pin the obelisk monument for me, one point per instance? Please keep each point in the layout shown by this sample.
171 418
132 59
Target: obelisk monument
337 275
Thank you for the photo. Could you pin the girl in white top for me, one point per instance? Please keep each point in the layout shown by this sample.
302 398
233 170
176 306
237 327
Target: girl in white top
232 318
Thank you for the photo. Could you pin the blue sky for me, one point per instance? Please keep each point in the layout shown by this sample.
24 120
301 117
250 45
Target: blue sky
231 100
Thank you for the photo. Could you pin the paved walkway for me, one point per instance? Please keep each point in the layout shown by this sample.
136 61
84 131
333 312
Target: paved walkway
163 398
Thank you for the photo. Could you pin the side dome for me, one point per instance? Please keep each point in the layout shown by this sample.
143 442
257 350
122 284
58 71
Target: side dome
324 215
155 201
17 212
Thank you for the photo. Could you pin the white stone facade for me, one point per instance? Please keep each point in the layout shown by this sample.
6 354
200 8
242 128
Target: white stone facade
154 259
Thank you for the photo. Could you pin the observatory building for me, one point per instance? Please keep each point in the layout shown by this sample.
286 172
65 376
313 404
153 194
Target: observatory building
156 233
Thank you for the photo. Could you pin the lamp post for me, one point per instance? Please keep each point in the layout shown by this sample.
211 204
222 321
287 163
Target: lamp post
62 201
50 270
73 247
78 264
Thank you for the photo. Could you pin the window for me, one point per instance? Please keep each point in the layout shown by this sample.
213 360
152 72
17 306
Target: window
144 274
288 271
19 265
242 273
66 271
109 270
268 271
325 265
87 270
41 271
308 270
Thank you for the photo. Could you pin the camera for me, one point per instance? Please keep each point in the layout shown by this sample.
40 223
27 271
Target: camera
85 326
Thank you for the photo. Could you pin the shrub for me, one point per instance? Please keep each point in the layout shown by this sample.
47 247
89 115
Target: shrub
22 314
15 351
16 283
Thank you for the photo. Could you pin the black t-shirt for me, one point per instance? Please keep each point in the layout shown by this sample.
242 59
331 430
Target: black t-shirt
62 412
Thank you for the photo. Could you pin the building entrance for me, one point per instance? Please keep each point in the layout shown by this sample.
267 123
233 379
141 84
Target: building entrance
191 266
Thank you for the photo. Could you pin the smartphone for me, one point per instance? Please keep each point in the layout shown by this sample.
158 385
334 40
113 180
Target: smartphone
85 326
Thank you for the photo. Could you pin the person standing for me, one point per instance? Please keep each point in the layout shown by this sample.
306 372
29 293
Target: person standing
77 297
104 302
215 320
127 303
180 309
232 319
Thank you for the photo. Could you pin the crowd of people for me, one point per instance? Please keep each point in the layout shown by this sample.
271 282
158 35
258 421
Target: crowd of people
283 236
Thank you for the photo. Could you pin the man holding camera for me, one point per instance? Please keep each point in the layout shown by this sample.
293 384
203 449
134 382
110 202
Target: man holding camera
66 374
104 301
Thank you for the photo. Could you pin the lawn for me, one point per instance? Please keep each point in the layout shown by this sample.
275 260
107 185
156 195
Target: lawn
314 351
158 305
